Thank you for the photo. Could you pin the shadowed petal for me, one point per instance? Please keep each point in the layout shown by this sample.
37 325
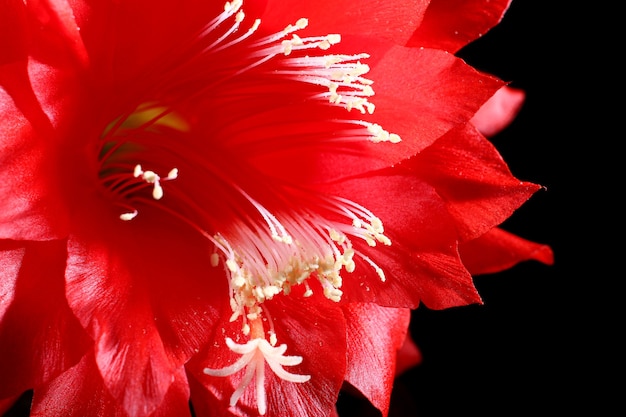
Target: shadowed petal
374 335
39 336
81 392
163 287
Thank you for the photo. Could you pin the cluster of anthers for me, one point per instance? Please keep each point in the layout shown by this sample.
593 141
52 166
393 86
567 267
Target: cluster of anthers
305 247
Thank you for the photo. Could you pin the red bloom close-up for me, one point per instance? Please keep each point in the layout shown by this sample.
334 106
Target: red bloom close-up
231 209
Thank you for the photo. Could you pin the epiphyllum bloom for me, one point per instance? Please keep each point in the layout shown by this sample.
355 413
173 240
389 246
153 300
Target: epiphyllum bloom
238 204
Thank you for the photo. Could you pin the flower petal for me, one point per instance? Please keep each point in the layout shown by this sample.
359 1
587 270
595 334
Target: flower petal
422 264
13 39
372 18
80 391
7 403
57 24
437 93
473 179
11 259
498 250
452 24
39 336
162 284
499 111
31 207
374 336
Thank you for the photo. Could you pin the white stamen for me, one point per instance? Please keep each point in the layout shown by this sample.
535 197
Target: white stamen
128 216
173 174
150 177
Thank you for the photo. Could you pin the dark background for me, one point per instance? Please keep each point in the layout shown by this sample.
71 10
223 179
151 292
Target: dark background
526 351
516 354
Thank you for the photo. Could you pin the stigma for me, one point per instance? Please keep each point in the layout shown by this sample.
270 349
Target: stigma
255 354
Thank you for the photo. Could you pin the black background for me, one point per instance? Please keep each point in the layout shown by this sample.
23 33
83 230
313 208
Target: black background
517 354
526 350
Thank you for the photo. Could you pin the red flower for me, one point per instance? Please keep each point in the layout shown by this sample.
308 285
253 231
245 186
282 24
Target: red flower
201 203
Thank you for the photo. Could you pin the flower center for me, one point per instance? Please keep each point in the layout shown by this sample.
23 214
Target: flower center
123 143
266 243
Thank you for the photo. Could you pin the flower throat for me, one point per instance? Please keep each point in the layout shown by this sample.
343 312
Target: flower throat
264 251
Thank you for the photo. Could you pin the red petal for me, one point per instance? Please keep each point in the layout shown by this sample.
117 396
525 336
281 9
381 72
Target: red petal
80 392
158 33
498 250
499 111
452 24
31 208
313 328
13 42
374 336
56 26
372 18
39 336
421 103
422 263
7 403
145 299
11 258
476 184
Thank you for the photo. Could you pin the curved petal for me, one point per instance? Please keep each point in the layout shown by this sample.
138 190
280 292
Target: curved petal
7 404
499 111
159 38
31 207
374 336
452 24
434 95
373 18
78 391
472 178
39 336
161 281
498 250
11 259
422 263
55 28
81 392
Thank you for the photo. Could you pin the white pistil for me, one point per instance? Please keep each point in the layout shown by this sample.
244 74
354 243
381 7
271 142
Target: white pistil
254 354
